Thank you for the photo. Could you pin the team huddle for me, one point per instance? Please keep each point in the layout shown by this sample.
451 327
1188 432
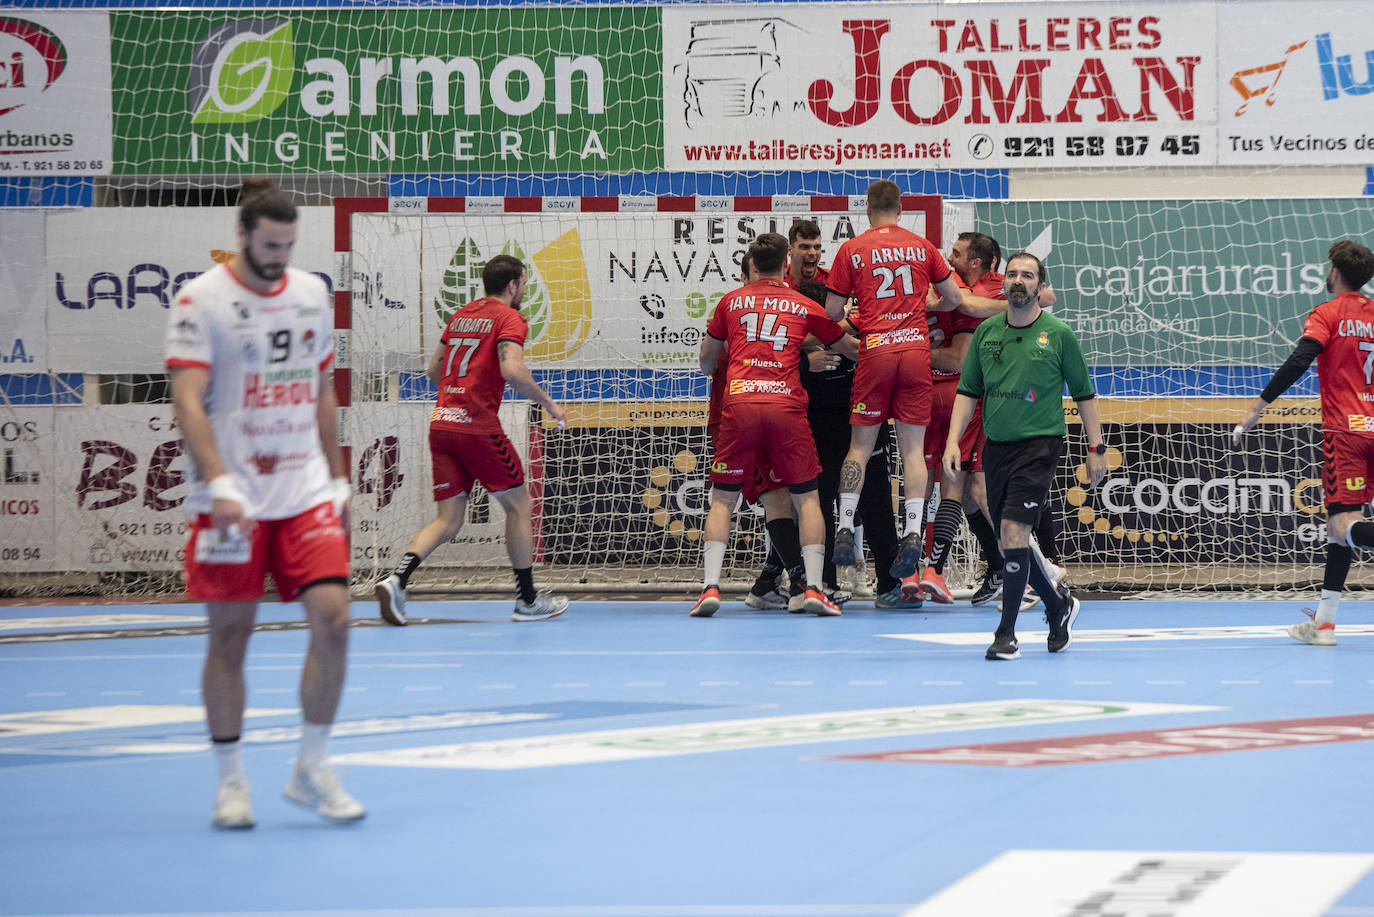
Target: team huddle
808 367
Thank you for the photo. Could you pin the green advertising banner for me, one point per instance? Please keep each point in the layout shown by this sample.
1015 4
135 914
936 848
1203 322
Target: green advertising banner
354 91
1182 283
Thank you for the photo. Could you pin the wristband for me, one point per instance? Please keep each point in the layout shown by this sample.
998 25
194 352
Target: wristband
340 490
225 487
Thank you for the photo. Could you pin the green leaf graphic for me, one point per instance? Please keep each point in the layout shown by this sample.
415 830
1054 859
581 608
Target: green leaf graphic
250 77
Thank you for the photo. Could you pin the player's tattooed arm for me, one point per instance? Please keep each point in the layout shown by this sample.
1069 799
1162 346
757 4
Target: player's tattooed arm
850 476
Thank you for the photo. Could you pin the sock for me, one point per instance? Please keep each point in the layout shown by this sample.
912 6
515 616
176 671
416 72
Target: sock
1360 535
713 555
314 745
915 511
858 544
981 528
524 584
813 558
1047 535
1015 574
947 519
772 564
1339 557
786 541
406 567
849 505
227 758
1040 580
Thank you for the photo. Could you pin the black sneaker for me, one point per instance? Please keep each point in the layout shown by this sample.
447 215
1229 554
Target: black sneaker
1004 646
990 591
844 548
908 555
1061 627
768 592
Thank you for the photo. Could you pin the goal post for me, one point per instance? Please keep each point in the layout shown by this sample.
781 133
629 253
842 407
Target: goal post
620 290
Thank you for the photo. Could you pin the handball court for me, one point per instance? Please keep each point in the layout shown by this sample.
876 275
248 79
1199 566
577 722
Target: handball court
1182 758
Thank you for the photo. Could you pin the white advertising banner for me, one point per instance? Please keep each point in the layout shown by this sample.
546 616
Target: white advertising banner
936 86
111 273
23 345
55 111
1297 83
605 291
119 490
27 487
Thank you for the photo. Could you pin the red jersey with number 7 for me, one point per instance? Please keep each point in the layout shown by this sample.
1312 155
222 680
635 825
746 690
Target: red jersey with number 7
1344 327
888 269
471 385
763 326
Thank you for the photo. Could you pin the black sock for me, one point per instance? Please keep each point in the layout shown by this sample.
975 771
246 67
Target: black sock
524 585
797 575
947 520
1338 560
1015 574
1040 582
1361 534
981 528
1047 535
772 564
786 541
406 567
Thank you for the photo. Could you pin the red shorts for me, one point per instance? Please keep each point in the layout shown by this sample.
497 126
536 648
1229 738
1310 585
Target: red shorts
891 384
1347 468
759 437
297 551
458 459
943 392
762 480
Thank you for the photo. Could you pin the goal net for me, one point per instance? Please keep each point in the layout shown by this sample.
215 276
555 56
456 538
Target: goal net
620 289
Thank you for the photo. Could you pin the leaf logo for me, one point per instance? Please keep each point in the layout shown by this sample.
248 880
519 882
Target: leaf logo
241 72
34 65
557 299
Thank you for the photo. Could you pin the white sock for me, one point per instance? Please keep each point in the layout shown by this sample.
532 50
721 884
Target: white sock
713 553
813 558
1326 608
858 544
915 515
849 505
314 745
228 760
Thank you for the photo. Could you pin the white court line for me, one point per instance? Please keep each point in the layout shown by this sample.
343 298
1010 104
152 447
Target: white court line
867 684
1240 681
1017 684
943 684
572 684
422 688
495 688
793 684
1312 681
46 694
128 693
1091 682
1166 681
645 684
717 684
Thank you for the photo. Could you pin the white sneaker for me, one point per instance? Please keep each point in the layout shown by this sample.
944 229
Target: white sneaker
1314 634
319 791
864 586
544 606
233 804
391 600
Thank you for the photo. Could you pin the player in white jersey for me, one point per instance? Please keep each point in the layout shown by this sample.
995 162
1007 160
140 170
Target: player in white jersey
250 352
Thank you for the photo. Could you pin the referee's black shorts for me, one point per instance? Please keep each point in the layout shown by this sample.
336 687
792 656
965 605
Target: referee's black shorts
1019 475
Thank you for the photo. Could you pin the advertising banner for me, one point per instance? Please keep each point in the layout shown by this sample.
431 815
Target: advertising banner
1180 494
605 291
28 511
55 94
938 86
110 275
395 90
1296 83
1182 283
23 343
119 471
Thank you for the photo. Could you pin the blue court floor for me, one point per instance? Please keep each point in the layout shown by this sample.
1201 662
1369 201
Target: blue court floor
1182 758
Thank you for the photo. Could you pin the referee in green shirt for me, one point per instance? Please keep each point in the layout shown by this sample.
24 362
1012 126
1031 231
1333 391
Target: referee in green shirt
1019 364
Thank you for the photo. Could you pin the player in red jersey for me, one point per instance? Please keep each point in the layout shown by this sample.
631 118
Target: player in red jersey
804 255
250 354
1339 335
888 269
481 350
974 258
762 327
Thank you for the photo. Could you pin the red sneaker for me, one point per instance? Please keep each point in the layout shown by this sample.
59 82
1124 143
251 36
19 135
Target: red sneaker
818 603
934 586
707 604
